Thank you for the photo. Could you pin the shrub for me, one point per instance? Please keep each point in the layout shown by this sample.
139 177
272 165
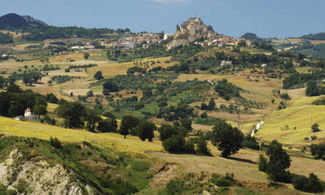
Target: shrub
55 142
311 184
175 187
178 144
315 128
223 181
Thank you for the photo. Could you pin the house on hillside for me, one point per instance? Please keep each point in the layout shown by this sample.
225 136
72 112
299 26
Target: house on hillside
30 116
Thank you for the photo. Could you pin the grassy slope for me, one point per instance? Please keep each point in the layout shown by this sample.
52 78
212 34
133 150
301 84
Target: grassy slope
131 145
89 163
298 115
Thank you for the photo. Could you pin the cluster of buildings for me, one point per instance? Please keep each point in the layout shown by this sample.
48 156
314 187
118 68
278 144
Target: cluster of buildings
144 39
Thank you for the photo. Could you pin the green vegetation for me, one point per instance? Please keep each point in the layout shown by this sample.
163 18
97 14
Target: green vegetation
317 36
277 163
39 34
228 139
227 90
14 102
78 159
6 38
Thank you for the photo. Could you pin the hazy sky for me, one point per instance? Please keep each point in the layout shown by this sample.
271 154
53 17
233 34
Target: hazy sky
268 18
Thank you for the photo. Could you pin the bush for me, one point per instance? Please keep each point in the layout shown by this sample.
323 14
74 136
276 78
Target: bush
318 151
223 181
178 144
55 142
311 184
175 187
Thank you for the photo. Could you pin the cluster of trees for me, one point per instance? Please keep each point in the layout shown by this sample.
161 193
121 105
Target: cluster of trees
170 113
316 36
84 118
29 78
14 102
314 89
174 141
134 126
227 90
5 38
80 66
298 80
61 78
51 32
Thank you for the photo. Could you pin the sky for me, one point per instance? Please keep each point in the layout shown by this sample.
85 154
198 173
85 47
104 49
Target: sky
266 18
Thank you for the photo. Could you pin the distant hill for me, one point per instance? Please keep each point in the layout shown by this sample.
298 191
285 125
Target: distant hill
316 36
15 21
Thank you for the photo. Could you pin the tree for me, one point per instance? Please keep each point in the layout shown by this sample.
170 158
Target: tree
127 123
202 147
167 131
4 104
277 163
73 114
227 138
107 125
109 86
91 118
86 55
145 130
186 123
212 104
13 88
90 94
315 128
98 75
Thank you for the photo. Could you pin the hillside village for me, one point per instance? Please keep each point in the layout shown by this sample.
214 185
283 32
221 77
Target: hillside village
104 111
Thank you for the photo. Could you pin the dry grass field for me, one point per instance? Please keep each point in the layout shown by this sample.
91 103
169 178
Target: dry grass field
243 164
298 117
131 145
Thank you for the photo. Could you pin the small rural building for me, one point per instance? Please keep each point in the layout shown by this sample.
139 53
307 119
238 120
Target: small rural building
30 116
225 63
